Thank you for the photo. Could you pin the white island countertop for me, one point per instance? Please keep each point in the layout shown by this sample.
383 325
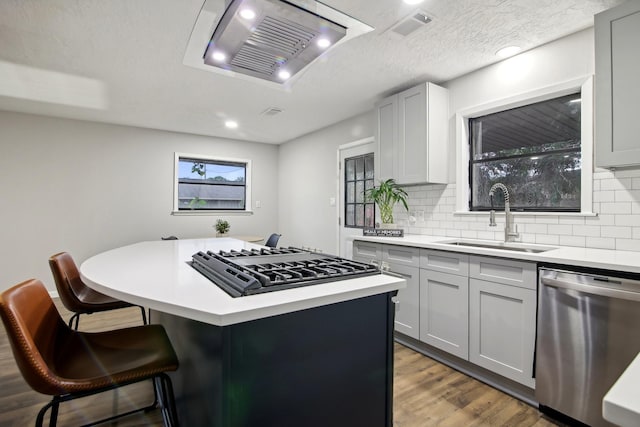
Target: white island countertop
606 259
156 275
621 405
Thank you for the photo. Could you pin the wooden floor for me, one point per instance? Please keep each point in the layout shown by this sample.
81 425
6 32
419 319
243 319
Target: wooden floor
426 393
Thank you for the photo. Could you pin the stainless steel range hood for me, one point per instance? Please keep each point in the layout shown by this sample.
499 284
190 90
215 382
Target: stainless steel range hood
271 40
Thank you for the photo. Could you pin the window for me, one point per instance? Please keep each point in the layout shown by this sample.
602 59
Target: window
358 177
535 150
209 184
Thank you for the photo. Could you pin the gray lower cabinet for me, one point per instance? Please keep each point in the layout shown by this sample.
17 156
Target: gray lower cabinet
481 309
502 317
403 261
444 296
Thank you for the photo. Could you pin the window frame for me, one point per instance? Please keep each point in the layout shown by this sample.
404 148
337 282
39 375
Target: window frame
511 157
176 167
585 86
354 203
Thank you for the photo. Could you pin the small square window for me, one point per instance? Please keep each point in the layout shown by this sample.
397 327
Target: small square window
210 184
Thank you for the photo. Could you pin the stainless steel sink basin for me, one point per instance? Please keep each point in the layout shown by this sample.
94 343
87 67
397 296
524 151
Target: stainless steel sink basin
517 247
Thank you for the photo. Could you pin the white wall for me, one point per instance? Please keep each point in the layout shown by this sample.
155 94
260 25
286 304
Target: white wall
86 187
308 179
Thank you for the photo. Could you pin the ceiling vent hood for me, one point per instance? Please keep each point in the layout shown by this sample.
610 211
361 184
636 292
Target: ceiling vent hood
271 40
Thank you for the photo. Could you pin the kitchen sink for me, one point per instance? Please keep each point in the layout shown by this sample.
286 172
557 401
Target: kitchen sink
516 247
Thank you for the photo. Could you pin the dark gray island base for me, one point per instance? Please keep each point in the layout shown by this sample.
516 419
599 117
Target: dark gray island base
325 366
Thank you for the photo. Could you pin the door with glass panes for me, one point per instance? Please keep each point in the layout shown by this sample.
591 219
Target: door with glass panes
356 175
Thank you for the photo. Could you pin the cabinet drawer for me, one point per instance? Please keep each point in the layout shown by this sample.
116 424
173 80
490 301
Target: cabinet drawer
366 251
508 272
401 255
445 262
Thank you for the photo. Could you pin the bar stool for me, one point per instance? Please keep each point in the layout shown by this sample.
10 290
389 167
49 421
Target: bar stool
61 362
78 297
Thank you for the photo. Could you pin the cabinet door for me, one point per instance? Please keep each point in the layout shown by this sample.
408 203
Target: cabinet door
407 301
502 325
444 312
617 36
366 251
412 138
386 137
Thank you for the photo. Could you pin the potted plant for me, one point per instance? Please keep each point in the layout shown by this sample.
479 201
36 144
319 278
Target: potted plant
222 227
386 195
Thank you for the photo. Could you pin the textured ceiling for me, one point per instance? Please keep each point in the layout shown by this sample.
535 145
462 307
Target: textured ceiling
120 61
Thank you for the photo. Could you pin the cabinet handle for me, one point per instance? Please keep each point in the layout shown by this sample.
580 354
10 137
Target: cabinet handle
399 275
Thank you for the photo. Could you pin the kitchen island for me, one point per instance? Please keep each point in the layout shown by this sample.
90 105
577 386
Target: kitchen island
315 356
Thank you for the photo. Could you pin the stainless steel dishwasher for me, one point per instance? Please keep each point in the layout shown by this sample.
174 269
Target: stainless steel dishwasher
588 332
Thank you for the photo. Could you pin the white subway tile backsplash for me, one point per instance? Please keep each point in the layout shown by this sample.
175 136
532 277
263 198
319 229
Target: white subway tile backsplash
627 195
571 220
615 184
628 244
586 230
546 219
604 196
602 219
616 208
547 239
601 242
560 229
616 200
618 232
578 241
628 220
536 228
628 173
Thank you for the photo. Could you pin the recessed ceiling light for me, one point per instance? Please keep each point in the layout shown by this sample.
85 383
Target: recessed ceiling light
247 14
324 42
508 51
413 1
284 75
219 56
231 124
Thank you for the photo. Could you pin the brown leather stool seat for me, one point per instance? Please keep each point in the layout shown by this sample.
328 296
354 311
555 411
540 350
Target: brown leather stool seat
78 297
66 364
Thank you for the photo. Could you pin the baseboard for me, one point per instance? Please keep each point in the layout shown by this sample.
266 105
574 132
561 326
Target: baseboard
54 294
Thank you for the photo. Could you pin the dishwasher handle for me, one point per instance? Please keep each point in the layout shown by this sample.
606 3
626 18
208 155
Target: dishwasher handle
590 289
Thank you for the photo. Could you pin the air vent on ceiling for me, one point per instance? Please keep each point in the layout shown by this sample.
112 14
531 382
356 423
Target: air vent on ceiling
271 40
411 23
272 111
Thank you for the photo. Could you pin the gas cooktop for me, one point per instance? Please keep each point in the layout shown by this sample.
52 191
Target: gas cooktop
250 272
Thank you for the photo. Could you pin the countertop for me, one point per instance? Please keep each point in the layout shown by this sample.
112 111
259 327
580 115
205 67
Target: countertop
156 275
627 261
621 405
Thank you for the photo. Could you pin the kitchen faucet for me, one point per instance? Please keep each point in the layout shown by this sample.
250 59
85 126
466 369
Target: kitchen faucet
510 229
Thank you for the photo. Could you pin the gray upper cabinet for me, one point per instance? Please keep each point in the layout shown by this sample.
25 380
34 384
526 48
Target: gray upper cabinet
617 41
412 135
